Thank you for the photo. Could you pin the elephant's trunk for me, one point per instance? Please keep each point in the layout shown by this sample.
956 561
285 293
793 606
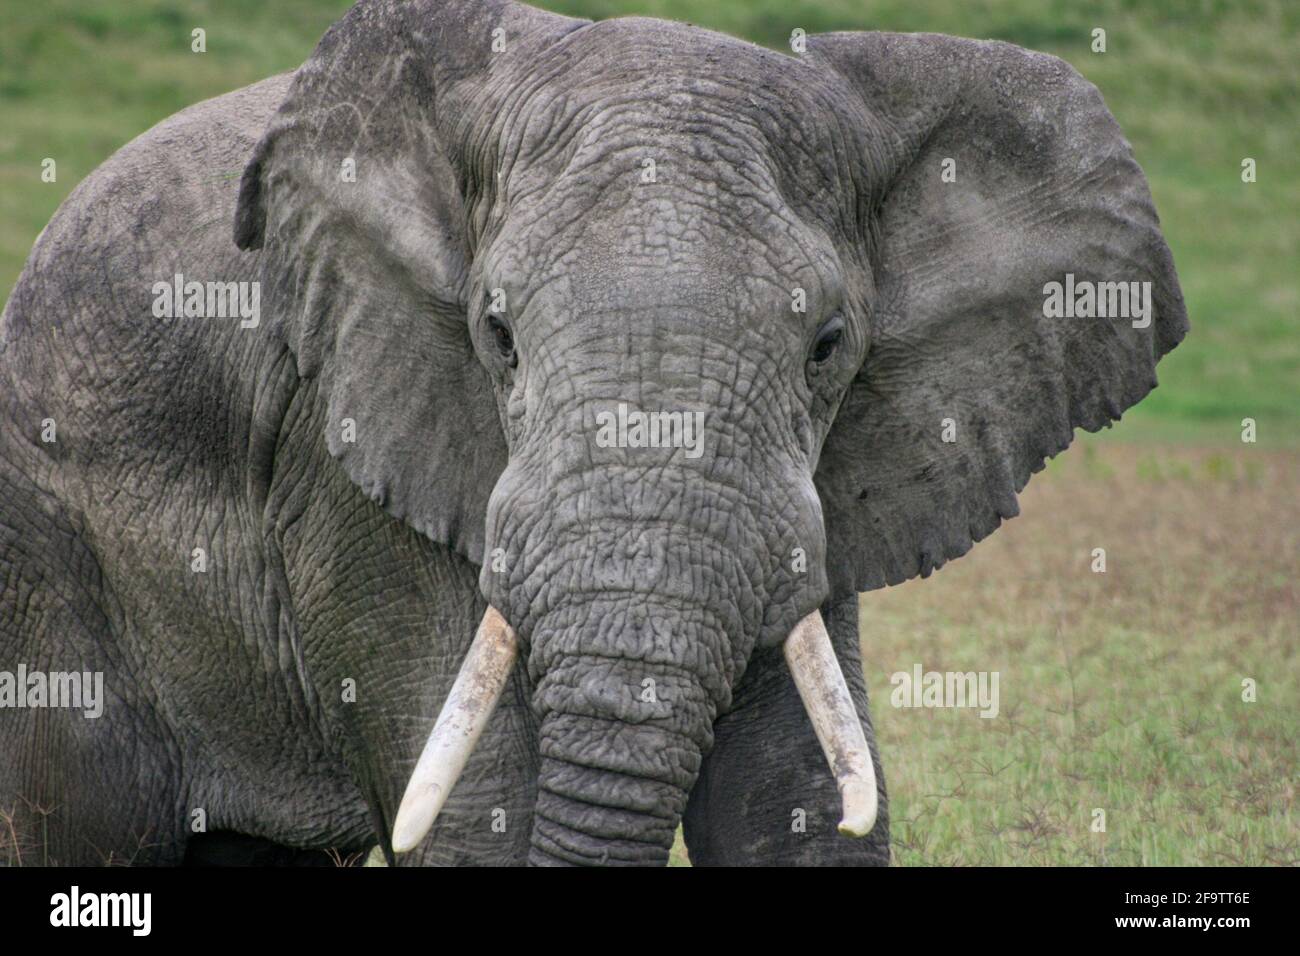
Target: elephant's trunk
625 721
596 811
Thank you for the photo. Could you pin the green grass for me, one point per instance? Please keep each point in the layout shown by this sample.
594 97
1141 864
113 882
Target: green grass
1120 691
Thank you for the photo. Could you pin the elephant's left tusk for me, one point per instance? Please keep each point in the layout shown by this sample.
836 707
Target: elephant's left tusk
821 684
472 699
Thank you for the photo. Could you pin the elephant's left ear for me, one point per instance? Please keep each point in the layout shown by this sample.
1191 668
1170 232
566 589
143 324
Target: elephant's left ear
1022 289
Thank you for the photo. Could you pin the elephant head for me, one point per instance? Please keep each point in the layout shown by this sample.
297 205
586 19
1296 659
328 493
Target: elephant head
680 339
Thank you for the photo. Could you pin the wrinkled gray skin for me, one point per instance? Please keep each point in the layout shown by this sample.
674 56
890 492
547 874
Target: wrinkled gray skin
523 170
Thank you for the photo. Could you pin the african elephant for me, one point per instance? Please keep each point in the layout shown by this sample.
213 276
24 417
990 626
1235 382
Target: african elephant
636 350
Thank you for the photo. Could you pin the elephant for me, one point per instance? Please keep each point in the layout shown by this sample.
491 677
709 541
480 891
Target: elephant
474 443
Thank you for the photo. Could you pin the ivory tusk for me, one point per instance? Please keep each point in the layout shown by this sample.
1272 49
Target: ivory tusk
472 699
817 674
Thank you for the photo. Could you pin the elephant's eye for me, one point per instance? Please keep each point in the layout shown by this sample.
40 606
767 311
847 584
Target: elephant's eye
505 339
828 338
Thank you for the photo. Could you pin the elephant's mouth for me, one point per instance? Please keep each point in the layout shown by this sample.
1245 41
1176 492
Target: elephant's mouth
483 675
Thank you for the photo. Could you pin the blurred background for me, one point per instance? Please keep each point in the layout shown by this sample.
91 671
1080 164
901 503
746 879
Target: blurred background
1121 691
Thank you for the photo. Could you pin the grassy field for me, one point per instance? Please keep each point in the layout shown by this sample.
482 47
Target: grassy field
1120 691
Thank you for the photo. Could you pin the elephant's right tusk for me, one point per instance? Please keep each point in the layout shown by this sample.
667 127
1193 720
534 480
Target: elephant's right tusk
472 699
821 684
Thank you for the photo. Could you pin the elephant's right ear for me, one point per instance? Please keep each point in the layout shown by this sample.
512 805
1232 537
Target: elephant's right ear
1022 289
367 194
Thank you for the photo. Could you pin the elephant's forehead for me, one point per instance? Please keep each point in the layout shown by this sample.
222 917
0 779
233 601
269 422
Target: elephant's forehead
700 104
661 163
643 50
